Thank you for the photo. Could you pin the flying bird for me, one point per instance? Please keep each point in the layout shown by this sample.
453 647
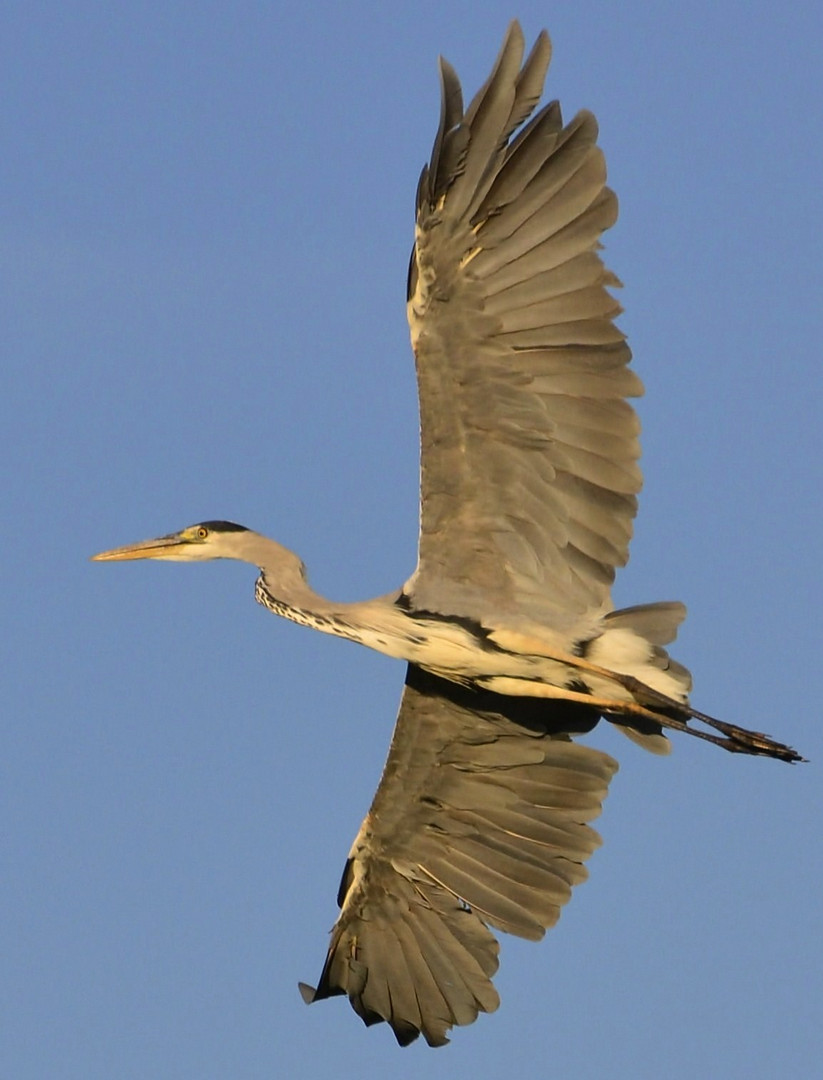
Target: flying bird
529 479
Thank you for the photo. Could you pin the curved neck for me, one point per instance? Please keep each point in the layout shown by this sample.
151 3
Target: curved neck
283 589
282 586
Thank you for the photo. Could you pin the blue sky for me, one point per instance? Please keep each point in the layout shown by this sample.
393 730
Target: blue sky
205 218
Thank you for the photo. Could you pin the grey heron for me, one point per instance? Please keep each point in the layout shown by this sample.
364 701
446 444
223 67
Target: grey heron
529 479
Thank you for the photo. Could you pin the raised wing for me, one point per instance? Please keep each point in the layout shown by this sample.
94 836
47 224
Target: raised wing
480 820
528 457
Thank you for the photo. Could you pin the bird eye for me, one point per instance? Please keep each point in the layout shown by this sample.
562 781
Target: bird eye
202 532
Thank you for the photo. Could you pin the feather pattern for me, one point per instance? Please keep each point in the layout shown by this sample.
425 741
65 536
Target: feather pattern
481 820
528 479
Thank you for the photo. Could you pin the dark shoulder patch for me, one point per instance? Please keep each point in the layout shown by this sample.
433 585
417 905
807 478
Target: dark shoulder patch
346 879
581 648
475 628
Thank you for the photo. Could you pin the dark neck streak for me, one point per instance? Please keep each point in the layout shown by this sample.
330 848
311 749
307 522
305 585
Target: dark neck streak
289 594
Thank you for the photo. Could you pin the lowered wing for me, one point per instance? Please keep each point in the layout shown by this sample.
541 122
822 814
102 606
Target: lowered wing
481 819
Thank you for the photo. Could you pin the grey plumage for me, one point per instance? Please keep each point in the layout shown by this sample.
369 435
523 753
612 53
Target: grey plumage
481 817
529 479
511 317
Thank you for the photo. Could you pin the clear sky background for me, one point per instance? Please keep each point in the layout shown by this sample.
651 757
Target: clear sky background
205 219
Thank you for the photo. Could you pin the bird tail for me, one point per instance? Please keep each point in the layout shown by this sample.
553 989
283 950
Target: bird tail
631 642
630 645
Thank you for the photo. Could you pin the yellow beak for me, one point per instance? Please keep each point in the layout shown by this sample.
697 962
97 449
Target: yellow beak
162 547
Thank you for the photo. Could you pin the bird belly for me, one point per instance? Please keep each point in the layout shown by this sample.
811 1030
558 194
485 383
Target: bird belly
458 654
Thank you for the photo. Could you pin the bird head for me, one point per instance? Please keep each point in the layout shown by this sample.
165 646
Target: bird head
206 540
